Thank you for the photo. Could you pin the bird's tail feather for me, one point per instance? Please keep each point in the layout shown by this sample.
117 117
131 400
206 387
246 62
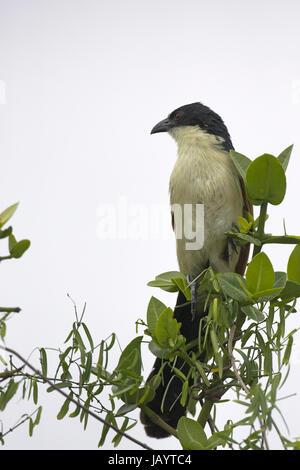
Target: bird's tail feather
169 390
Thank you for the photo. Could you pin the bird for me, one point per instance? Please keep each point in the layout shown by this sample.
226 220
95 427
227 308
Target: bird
204 173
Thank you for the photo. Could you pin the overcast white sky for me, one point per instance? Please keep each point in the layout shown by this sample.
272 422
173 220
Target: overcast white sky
84 84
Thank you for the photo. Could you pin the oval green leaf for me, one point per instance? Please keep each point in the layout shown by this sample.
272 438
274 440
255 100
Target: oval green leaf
293 268
260 274
7 214
232 285
19 248
265 180
241 162
155 307
166 328
191 434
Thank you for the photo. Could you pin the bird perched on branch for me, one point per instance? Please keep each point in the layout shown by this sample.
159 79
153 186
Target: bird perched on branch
204 174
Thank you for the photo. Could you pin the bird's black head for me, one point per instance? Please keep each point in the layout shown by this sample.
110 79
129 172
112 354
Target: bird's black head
196 114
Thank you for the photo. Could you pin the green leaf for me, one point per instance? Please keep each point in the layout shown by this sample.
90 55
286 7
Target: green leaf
268 363
75 412
253 313
38 416
59 385
35 392
217 439
31 426
116 440
244 225
65 408
165 282
265 295
127 408
214 341
280 279
78 338
183 286
202 373
241 162
167 328
105 428
43 361
268 294
265 180
130 358
7 214
88 335
19 248
288 350
179 373
5 233
185 392
243 237
155 307
260 274
2 330
290 291
87 368
282 239
293 268
284 157
11 242
275 383
100 358
8 394
157 351
191 434
232 285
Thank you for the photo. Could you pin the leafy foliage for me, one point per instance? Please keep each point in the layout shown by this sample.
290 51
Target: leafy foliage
244 334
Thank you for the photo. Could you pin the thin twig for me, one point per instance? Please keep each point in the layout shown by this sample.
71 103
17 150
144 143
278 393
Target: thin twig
82 407
18 424
241 382
235 370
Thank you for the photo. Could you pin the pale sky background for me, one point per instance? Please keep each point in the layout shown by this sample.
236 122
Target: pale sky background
85 81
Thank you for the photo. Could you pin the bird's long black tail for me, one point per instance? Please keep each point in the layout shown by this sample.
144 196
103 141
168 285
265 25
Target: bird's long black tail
172 409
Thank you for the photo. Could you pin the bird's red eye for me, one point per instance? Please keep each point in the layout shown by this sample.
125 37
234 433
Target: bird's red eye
178 116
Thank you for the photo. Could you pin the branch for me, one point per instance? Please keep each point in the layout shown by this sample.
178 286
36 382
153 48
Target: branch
72 400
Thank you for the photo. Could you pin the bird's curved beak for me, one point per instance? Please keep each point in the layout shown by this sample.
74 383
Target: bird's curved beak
162 126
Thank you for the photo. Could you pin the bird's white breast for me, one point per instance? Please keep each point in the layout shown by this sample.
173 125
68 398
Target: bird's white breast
205 174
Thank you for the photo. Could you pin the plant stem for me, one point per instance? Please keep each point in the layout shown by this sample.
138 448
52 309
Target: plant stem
2 258
10 309
82 407
261 226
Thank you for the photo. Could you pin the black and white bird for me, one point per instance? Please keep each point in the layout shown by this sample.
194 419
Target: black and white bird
204 173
